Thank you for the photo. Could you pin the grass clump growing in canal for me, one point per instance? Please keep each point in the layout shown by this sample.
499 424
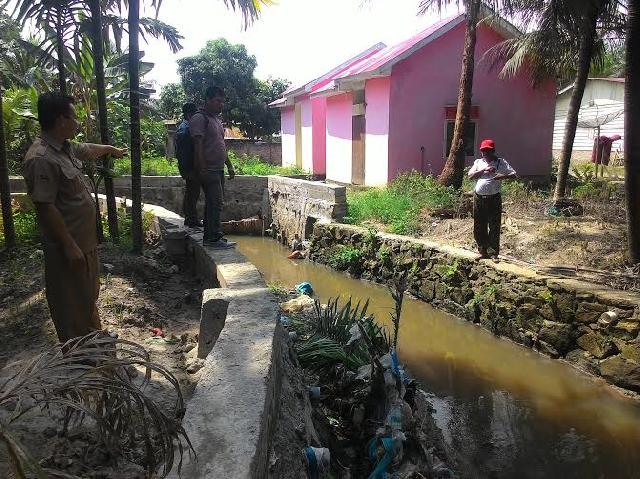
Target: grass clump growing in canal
343 257
331 338
277 289
399 206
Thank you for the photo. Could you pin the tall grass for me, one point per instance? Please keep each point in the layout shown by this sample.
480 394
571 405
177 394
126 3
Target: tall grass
399 205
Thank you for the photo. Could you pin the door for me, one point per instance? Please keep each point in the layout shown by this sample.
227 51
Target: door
298 130
359 129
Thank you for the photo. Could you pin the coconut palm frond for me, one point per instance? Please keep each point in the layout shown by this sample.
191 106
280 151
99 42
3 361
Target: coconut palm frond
88 377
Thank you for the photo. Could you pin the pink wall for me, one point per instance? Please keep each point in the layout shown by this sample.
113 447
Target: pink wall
339 110
377 140
319 122
288 126
517 117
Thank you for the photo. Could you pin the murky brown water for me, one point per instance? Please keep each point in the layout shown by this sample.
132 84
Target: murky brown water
512 412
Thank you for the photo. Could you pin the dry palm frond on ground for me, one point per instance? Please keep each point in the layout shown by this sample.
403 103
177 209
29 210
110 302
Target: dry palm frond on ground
89 379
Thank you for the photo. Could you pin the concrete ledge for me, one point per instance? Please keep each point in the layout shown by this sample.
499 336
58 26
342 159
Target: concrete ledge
231 417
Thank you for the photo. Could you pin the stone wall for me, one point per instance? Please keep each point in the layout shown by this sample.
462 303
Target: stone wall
270 152
296 205
591 326
243 195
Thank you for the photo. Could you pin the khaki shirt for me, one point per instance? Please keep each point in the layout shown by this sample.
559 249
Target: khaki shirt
53 173
212 132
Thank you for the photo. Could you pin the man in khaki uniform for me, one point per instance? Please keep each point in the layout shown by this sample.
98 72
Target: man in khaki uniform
66 216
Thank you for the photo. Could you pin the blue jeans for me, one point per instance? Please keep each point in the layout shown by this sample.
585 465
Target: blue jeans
213 186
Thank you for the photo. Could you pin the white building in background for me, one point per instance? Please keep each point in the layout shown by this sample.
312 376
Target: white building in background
603 99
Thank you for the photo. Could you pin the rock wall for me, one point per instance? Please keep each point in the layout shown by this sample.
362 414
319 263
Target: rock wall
296 205
593 327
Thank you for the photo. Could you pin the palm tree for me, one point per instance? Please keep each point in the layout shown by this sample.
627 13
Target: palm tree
453 170
134 111
582 17
56 18
632 131
98 61
568 42
5 191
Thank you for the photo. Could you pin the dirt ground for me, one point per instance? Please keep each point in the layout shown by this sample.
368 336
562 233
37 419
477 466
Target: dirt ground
591 246
137 294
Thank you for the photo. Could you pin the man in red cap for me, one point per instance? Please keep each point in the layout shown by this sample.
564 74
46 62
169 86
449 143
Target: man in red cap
487 200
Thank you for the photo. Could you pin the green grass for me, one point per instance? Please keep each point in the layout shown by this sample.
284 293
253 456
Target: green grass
26 227
254 166
243 165
151 166
400 204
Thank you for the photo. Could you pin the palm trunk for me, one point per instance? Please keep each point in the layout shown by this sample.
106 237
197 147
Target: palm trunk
632 132
453 170
98 61
134 102
582 75
62 73
5 191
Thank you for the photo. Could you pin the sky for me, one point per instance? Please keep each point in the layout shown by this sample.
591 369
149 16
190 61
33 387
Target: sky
297 40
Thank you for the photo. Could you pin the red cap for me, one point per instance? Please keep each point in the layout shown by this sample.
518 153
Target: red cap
487 145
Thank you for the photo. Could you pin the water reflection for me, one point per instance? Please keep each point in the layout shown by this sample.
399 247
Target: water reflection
513 412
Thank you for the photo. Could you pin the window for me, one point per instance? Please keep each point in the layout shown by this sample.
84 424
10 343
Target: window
469 138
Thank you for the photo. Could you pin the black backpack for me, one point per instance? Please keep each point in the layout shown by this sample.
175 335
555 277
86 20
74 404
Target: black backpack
185 150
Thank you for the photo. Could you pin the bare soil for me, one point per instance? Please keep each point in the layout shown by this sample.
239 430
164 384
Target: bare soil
138 293
592 246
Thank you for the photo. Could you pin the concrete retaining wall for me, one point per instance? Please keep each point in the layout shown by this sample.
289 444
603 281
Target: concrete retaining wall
296 205
591 326
243 195
231 417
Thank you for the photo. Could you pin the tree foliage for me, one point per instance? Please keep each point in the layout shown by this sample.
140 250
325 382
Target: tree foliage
172 97
231 67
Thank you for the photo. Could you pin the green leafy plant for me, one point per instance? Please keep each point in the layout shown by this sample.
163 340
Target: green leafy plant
449 271
384 253
26 227
333 339
546 295
277 288
88 378
344 256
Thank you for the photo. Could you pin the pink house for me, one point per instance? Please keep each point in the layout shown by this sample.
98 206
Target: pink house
391 110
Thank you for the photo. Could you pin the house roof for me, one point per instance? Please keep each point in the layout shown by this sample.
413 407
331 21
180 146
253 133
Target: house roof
289 95
614 80
381 63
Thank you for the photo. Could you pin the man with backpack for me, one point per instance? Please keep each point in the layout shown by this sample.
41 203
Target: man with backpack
210 158
185 156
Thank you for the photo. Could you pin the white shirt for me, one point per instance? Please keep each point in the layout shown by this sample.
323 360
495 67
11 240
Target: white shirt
486 184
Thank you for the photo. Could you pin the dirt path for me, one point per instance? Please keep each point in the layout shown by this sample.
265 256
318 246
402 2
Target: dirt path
137 294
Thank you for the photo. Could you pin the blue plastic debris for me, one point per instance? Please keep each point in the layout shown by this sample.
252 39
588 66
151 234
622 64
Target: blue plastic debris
304 288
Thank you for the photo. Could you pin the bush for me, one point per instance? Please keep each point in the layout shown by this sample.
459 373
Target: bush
254 166
151 166
400 204
344 256
26 227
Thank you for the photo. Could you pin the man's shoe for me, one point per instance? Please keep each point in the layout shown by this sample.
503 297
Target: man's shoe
218 244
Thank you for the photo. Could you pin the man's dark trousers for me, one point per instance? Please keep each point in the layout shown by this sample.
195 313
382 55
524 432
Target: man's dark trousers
190 199
487 214
213 185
